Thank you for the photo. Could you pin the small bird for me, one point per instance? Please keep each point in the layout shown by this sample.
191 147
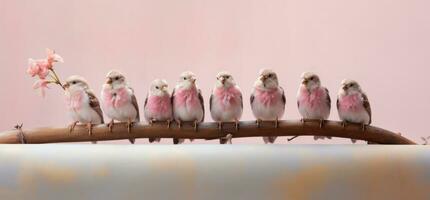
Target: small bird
119 102
267 100
83 106
226 104
313 100
158 105
353 105
187 101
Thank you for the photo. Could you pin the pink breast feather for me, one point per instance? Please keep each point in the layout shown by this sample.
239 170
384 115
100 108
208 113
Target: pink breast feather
227 97
157 104
116 98
188 98
268 97
312 99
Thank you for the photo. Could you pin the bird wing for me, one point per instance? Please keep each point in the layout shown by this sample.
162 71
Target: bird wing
366 105
210 102
241 101
251 99
146 102
95 104
134 102
284 100
202 103
172 98
328 98
337 103
144 108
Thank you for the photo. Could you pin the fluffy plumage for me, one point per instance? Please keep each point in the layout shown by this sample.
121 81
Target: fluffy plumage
187 101
313 100
226 104
353 105
82 105
118 100
267 99
158 105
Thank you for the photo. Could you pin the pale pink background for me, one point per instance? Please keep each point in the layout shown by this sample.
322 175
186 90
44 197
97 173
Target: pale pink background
382 44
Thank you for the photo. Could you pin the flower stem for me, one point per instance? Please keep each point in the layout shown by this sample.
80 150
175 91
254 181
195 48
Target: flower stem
57 79
53 78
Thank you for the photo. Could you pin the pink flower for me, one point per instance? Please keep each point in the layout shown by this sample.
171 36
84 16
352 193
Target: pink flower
41 67
52 57
38 67
41 84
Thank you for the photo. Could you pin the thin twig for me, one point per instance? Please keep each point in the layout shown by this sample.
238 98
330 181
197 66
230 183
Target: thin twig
54 79
290 139
425 139
57 79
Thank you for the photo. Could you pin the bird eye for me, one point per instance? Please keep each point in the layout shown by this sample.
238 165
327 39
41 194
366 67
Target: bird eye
270 75
156 87
73 82
116 78
227 77
185 78
312 78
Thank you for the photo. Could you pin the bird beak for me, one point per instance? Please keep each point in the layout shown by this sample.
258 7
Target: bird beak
109 81
164 87
193 80
263 78
223 81
345 87
67 85
305 81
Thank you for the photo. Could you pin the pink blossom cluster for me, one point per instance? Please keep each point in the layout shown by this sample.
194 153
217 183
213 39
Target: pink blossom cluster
42 68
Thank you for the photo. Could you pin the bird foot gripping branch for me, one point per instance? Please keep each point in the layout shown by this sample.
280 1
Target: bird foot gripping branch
303 121
263 123
228 131
21 136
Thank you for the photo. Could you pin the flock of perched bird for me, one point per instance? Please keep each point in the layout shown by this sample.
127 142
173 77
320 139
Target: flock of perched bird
185 103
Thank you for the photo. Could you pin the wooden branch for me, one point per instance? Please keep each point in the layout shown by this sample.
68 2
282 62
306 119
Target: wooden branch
207 130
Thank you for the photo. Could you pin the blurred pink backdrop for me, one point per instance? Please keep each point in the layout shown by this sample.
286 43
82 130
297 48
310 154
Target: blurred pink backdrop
382 44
